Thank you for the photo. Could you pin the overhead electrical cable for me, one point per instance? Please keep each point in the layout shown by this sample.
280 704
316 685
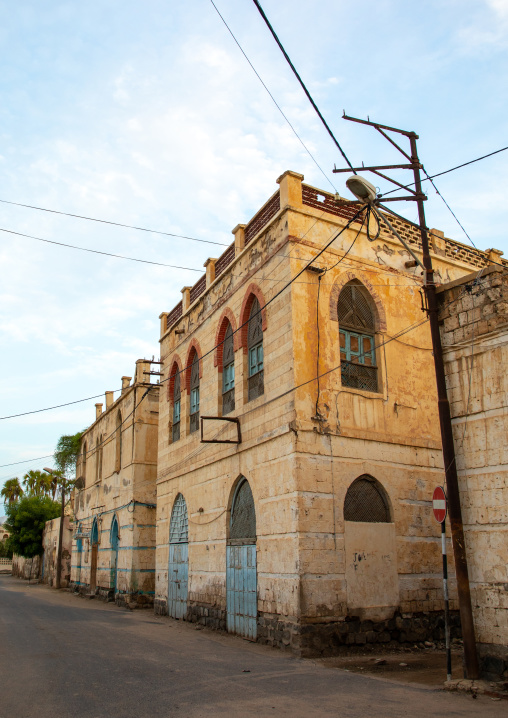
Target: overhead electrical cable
358 213
309 96
116 224
274 100
396 337
96 251
445 172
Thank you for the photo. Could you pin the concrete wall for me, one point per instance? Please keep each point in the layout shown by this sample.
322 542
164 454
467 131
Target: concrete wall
301 450
475 337
50 541
27 568
122 489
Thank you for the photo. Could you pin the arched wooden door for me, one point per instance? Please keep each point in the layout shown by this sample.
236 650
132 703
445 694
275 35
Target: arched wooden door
113 580
94 540
79 554
178 568
241 569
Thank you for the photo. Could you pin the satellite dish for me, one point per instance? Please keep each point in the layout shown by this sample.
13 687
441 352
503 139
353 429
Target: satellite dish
361 188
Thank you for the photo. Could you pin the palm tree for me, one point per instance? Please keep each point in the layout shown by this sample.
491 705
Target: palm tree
37 483
12 491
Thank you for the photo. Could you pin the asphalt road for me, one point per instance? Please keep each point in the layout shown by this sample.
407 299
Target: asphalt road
64 656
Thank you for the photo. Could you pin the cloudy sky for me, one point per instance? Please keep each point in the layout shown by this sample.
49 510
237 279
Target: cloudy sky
148 114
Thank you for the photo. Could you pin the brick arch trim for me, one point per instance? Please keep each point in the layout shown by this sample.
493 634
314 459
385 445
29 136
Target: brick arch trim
176 366
252 291
379 311
193 347
227 316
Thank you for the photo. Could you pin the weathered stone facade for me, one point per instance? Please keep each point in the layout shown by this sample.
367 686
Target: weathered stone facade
474 314
304 444
50 540
113 549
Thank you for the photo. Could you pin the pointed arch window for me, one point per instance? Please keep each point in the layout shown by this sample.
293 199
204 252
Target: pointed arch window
228 372
194 393
356 334
83 462
98 458
255 352
177 406
118 442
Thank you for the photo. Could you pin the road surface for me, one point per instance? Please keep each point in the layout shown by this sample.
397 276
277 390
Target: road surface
62 656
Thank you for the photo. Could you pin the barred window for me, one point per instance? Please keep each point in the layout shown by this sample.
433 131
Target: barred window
194 393
228 372
118 457
176 406
356 334
242 525
255 351
365 502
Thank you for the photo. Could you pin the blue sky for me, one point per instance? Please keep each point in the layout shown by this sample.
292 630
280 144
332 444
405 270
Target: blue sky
148 114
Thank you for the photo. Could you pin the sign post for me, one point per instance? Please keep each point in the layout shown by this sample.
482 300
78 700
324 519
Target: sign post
439 508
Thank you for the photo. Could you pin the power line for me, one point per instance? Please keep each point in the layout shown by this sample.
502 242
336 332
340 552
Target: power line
309 96
26 461
58 406
415 325
274 100
452 169
116 224
96 251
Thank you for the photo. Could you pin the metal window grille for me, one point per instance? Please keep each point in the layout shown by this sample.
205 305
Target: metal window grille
176 407
357 376
194 399
179 525
243 514
353 309
364 502
255 346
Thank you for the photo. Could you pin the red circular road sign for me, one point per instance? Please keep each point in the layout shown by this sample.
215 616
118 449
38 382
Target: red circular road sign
439 504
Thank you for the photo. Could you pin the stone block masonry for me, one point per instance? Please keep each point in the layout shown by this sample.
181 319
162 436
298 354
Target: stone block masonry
474 316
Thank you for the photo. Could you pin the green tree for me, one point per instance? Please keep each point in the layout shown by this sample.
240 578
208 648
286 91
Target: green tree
25 522
11 491
67 452
37 483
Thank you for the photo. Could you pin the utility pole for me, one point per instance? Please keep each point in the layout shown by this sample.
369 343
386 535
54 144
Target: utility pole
445 421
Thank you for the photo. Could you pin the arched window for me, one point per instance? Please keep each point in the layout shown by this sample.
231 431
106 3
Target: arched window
179 524
118 457
228 372
255 352
366 502
83 461
98 458
177 406
194 393
356 331
242 525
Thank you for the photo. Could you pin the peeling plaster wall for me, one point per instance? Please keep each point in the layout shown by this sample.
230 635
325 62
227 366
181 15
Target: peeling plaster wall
300 452
50 540
475 340
127 494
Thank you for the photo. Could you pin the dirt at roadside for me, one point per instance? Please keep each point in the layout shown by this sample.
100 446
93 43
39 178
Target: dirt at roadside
423 666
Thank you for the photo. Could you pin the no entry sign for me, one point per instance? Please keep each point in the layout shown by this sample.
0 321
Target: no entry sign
439 504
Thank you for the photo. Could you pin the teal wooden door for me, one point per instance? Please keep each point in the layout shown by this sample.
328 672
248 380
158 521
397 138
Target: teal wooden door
241 565
114 555
178 566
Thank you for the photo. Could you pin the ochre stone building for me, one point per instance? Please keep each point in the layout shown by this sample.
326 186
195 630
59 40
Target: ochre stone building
474 318
114 504
313 528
